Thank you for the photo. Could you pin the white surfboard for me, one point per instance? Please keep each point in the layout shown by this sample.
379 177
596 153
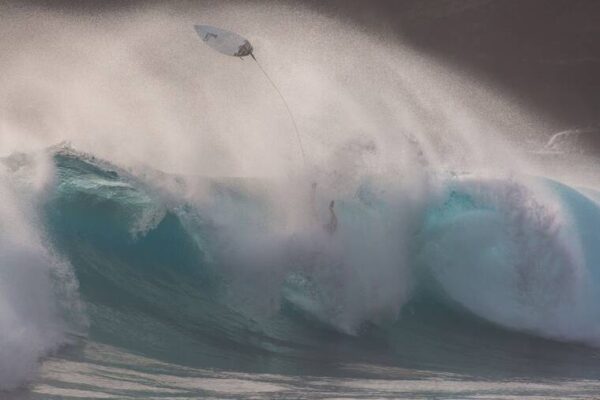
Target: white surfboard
223 41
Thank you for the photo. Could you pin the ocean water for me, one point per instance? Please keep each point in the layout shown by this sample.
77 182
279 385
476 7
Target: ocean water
166 299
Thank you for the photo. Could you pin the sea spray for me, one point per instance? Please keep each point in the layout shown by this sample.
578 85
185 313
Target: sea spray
38 293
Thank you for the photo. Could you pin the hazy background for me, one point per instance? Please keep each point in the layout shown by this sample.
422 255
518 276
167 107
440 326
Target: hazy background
544 52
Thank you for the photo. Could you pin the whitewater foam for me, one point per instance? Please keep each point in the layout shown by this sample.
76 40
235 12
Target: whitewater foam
35 286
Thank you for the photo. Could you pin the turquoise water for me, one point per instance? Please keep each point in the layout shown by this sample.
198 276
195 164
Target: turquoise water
489 289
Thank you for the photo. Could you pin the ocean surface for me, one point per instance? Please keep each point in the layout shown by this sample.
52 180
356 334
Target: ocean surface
166 298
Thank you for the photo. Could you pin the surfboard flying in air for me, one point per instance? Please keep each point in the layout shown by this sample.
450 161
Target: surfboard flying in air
225 42
234 45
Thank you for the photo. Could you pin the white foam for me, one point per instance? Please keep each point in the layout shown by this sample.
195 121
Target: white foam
30 301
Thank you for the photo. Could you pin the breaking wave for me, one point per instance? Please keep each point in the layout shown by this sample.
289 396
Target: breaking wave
428 265
225 278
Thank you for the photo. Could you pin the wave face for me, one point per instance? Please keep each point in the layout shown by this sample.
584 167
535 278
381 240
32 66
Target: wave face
521 256
209 282
524 259
223 283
